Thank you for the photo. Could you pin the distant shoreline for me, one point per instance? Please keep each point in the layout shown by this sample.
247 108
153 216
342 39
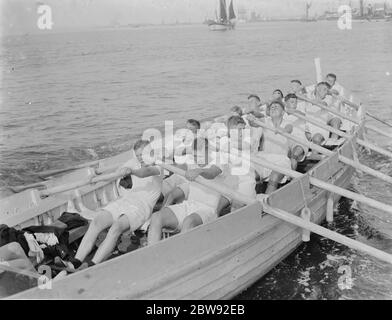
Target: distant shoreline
166 25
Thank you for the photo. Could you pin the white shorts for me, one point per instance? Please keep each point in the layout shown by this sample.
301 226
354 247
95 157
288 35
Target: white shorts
172 182
136 212
186 208
277 159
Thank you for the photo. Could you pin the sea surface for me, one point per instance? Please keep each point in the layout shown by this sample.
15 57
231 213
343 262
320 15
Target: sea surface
72 97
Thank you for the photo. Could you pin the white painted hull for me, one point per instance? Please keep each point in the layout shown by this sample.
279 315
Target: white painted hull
214 261
218 27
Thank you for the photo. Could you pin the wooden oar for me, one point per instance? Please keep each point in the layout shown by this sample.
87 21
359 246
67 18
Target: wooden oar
17 189
343 134
333 111
378 119
343 116
322 184
356 107
378 130
288 217
50 173
80 183
327 152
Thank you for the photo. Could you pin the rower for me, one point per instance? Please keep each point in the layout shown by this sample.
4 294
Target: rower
296 87
129 212
241 140
201 203
336 88
337 92
254 106
277 94
183 139
275 147
319 135
234 111
298 152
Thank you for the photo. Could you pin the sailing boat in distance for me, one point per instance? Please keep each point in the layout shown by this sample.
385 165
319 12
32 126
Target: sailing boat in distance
225 21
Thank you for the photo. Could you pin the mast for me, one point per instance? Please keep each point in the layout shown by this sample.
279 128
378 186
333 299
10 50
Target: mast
308 5
222 8
231 11
361 8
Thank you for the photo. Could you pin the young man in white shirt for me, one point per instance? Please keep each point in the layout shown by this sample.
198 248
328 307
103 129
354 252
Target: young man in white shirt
275 147
178 150
201 203
336 88
319 135
298 151
129 212
240 143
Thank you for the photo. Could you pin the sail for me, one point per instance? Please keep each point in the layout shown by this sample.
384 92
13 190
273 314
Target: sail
231 11
223 15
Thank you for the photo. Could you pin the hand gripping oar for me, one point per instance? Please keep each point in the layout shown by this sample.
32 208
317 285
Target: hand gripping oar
288 217
327 152
343 134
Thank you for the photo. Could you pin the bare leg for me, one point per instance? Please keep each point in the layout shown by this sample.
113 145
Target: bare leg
22 263
223 203
106 248
101 222
163 218
191 221
14 255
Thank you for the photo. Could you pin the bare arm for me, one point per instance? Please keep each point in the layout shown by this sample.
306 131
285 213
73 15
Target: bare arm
207 173
143 172
174 196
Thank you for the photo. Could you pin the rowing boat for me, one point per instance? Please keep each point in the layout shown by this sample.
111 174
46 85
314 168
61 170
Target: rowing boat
217 260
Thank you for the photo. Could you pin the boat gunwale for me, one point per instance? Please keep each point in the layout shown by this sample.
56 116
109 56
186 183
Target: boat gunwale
219 220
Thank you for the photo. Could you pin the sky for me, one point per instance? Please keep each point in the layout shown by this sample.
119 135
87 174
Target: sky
20 16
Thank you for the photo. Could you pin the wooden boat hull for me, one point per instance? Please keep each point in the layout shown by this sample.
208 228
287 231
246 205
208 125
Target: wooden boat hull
220 26
213 261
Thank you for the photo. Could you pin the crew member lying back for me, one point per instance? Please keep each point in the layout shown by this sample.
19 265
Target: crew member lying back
130 211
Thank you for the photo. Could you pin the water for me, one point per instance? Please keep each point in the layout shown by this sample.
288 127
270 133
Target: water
73 97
